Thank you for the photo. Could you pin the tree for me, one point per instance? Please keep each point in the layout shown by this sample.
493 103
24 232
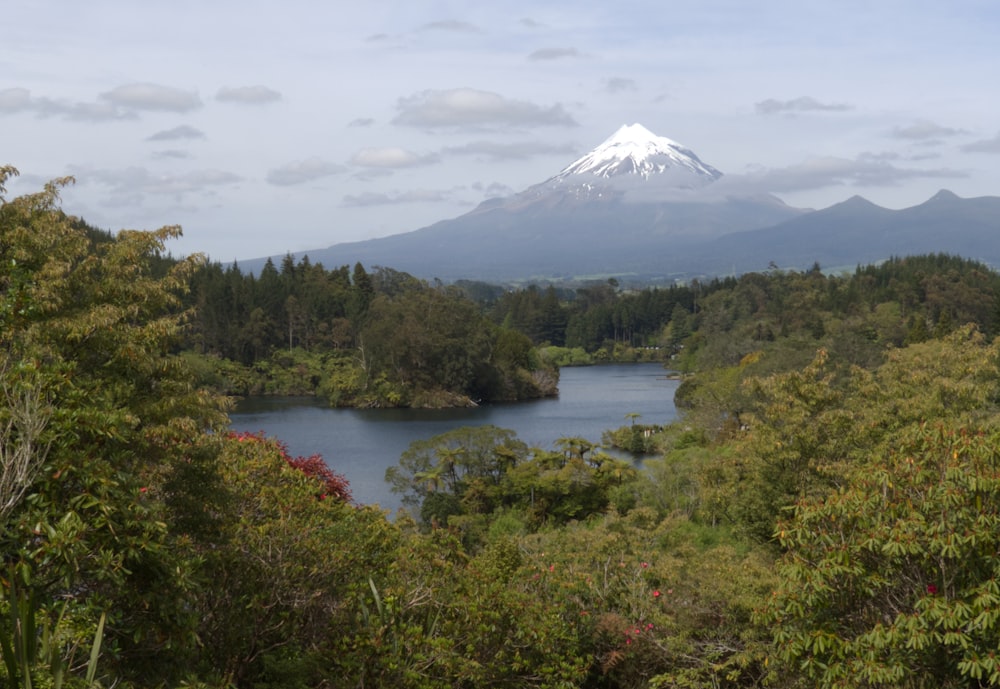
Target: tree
24 417
894 579
447 463
280 597
88 329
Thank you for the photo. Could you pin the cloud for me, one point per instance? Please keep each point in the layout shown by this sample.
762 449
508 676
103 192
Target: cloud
619 84
302 171
391 157
530 23
171 154
184 131
370 198
493 190
14 100
497 152
129 186
983 145
923 130
801 104
152 97
818 173
467 107
361 122
451 25
553 54
247 95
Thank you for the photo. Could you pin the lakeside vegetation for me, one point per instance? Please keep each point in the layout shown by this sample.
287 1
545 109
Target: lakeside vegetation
825 512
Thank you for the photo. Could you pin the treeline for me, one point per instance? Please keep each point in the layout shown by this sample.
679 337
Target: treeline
898 301
385 338
358 338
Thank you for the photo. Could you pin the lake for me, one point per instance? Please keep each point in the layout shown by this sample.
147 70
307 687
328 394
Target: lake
362 443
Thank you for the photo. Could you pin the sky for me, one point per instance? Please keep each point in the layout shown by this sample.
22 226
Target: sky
270 127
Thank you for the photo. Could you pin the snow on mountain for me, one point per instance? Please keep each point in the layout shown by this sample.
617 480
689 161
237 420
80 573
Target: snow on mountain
634 150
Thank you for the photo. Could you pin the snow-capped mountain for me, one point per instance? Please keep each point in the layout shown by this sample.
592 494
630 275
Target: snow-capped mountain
632 164
634 150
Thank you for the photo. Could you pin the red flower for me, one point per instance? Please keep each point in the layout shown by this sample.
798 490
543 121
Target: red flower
932 589
656 594
143 489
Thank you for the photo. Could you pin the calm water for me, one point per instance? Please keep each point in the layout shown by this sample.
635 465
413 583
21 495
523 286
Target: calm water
362 443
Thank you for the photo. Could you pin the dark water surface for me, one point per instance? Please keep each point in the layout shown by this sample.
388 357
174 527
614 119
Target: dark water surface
362 443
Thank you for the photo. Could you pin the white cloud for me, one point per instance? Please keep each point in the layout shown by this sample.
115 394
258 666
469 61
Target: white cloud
302 171
467 107
493 190
822 172
142 96
522 150
129 186
391 157
361 122
394 198
451 25
801 104
983 145
184 131
553 54
171 154
15 100
247 95
619 84
923 130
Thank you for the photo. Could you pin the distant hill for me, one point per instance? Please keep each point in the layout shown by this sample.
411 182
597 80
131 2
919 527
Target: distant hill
645 206
857 231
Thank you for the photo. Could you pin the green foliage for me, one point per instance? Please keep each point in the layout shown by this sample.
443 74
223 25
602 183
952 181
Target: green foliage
846 426
445 620
893 579
95 320
452 461
361 339
37 647
656 610
463 478
277 593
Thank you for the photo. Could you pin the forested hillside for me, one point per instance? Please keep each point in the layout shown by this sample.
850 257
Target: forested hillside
357 338
826 512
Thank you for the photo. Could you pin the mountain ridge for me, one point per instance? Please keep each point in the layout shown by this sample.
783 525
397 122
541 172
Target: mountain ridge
642 205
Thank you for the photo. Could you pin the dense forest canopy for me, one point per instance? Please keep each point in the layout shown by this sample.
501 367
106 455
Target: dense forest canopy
824 513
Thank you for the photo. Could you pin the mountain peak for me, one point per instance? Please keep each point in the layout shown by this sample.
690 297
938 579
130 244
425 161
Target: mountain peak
944 196
634 150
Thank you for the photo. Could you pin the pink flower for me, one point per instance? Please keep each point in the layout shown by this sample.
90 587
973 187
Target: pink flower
644 565
552 568
143 489
656 594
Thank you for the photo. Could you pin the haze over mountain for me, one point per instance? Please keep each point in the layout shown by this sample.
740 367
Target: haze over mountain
643 205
